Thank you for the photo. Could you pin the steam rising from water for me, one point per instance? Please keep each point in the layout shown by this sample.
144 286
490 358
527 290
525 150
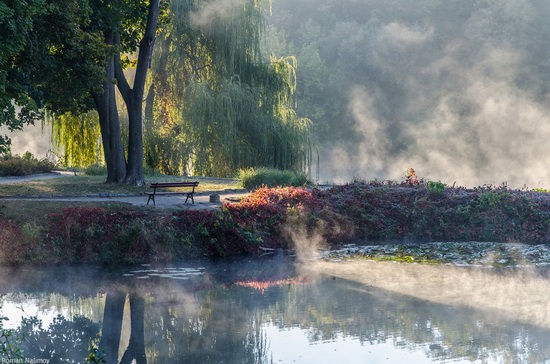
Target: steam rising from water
485 132
306 245
455 89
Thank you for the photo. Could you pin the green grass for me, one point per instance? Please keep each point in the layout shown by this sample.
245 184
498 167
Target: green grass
93 185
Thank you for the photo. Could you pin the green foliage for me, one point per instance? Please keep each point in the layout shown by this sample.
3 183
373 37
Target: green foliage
437 187
9 342
224 108
78 138
50 59
254 178
213 106
489 198
16 21
96 355
18 166
28 156
96 169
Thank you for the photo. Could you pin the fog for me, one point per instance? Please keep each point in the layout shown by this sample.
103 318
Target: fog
33 138
455 89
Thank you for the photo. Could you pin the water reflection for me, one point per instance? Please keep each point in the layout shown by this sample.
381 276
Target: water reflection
265 311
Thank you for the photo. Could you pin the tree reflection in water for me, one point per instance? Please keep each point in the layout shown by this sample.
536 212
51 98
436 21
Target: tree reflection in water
222 315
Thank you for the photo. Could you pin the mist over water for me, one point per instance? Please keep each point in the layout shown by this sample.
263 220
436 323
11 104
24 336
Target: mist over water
485 132
264 310
455 89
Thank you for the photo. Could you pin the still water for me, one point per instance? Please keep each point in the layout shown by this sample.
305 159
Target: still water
276 310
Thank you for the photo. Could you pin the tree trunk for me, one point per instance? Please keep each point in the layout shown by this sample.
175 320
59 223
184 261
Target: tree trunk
109 123
133 97
112 325
134 173
136 346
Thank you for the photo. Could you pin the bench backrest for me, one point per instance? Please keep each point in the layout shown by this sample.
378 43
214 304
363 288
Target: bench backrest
174 184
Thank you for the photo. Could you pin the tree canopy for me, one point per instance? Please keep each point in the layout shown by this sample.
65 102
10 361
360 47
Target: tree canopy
16 21
44 70
214 103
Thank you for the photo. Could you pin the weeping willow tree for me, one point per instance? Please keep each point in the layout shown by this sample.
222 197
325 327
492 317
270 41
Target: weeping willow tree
85 135
214 105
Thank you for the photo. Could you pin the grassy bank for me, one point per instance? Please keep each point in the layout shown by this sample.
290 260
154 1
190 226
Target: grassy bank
272 218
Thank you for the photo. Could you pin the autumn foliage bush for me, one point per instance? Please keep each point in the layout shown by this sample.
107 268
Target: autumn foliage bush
416 213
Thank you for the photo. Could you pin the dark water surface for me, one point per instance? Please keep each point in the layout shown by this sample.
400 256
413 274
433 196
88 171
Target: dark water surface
274 310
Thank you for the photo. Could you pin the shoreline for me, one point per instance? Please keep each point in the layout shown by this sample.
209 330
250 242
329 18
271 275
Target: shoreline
279 218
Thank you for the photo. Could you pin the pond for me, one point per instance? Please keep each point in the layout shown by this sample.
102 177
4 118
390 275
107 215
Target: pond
277 309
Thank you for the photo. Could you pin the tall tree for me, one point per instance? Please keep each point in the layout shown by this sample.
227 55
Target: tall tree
133 96
214 105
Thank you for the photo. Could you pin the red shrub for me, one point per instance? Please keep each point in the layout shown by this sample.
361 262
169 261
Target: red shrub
13 246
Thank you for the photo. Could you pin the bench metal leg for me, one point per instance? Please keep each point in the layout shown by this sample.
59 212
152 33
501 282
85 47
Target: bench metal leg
190 195
151 197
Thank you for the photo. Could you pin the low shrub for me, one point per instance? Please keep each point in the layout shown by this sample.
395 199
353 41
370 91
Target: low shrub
95 169
98 235
254 178
23 166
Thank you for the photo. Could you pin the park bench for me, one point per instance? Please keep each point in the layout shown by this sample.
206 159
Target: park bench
161 185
